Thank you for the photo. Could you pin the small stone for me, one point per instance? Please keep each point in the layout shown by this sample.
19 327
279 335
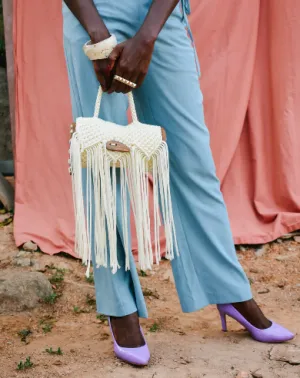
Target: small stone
243 249
24 261
253 270
257 374
297 239
281 285
279 241
287 236
261 251
5 217
30 246
285 353
243 374
37 267
284 258
264 291
23 254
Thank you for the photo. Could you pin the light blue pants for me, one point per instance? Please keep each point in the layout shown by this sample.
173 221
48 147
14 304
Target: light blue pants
207 270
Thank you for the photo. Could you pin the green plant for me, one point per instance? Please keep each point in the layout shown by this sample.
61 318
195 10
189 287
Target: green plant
51 299
51 351
77 310
25 365
150 293
57 277
24 333
90 278
155 327
101 317
47 327
143 273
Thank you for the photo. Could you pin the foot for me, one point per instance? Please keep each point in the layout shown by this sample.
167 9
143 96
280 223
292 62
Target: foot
127 331
253 314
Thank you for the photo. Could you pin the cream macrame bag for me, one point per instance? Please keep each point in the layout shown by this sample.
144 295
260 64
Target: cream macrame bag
103 147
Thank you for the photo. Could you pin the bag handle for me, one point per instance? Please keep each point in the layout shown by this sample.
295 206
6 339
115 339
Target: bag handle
131 105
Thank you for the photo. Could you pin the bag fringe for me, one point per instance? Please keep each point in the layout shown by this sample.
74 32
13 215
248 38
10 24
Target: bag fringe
97 217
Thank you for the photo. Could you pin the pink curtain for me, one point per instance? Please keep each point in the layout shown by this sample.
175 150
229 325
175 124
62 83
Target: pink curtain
249 54
251 82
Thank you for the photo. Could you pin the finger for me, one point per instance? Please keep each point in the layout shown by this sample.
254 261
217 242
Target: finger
116 53
116 85
100 77
133 79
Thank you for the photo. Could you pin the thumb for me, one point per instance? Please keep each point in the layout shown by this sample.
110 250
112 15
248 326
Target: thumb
116 53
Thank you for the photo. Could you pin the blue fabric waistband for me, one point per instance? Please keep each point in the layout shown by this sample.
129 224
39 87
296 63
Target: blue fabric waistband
186 10
186 6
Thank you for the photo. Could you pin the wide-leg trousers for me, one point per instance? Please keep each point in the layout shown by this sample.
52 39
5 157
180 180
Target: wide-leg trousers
207 270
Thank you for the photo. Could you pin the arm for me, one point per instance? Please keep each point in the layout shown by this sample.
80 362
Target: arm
133 57
87 14
156 18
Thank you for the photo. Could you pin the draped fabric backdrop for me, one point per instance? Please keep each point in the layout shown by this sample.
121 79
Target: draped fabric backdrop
250 59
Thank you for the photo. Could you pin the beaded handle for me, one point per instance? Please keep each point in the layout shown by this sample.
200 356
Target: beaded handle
131 105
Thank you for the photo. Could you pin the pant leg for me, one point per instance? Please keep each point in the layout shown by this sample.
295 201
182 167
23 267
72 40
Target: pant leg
207 270
117 294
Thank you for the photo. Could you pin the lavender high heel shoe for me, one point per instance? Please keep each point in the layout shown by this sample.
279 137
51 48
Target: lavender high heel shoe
274 334
139 356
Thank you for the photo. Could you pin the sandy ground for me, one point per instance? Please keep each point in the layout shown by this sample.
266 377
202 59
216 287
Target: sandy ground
182 345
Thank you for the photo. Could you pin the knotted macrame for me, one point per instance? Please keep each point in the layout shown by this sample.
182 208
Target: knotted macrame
101 148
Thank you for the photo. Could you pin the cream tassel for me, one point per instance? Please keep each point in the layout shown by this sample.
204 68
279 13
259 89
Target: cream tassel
100 210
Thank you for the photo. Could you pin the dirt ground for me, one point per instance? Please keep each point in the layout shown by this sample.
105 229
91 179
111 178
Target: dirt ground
182 345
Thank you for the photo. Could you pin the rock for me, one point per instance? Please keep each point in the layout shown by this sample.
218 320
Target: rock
22 290
6 191
243 374
287 236
279 241
23 254
264 291
297 239
253 270
286 353
257 374
23 261
37 267
262 250
30 246
281 285
4 217
285 257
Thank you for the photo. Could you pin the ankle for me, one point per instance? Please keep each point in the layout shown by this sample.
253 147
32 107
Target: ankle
253 314
127 331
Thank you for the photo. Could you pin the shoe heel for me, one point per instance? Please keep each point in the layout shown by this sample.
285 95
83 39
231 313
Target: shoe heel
223 322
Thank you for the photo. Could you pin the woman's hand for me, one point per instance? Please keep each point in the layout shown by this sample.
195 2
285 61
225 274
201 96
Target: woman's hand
103 69
130 60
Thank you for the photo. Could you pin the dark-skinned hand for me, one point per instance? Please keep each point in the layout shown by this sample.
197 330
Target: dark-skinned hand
130 60
103 69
